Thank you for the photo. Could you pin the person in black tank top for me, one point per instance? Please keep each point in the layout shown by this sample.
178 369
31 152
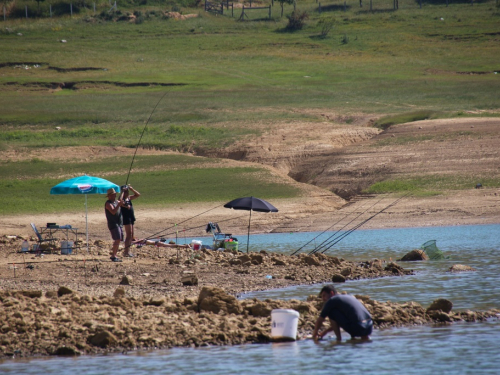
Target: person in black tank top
128 216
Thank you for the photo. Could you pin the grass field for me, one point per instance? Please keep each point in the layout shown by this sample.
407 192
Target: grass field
160 179
222 79
391 62
421 186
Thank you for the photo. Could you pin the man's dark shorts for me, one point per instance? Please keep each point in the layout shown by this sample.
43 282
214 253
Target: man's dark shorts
355 329
128 221
116 233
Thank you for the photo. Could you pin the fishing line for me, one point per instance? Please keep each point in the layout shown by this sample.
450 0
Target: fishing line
204 225
340 238
143 130
197 227
333 236
182 222
326 230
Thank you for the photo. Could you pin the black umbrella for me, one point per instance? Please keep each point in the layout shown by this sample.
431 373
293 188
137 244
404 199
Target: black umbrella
251 204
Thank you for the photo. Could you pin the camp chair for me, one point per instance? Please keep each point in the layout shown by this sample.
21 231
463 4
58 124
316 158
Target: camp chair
40 240
218 237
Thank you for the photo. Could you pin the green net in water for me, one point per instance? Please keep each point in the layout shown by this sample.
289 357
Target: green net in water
432 250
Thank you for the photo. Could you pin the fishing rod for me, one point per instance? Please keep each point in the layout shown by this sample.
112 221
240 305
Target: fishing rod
173 226
329 239
182 222
143 130
336 240
199 226
340 238
326 230
137 147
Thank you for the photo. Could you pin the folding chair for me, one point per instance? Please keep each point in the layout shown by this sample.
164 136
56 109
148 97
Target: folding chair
40 239
218 237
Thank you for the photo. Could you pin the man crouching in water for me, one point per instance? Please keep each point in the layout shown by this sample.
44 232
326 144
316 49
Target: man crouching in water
344 311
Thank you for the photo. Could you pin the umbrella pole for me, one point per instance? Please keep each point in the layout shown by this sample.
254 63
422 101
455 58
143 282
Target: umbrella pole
248 235
87 223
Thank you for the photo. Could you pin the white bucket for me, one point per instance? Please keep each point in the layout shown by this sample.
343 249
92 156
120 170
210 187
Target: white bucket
196 245
66 247
284 325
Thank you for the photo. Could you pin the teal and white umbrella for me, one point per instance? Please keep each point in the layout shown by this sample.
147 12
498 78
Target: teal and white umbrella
84 185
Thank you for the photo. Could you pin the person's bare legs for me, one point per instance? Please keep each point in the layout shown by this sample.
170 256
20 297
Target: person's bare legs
114 250
129 234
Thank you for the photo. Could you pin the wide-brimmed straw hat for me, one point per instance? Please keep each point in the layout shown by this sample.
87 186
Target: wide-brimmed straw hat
111 191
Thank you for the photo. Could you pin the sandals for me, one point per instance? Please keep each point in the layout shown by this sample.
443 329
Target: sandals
115 259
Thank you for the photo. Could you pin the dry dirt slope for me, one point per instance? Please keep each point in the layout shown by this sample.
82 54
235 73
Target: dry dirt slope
451 147
342 158
347 158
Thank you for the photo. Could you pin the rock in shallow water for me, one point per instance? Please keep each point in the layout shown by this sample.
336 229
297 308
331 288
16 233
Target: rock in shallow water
460 268
440 304
415 255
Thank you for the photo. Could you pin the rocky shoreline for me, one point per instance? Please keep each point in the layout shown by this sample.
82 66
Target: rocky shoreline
158 272
163 298
66 323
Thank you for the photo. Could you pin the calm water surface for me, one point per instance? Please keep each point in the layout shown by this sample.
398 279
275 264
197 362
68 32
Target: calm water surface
475 246
465 348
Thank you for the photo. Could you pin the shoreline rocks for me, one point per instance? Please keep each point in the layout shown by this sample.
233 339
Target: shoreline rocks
74 324
181 272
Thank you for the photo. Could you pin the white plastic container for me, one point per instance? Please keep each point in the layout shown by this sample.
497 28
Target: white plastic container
66 247
284 324
196 245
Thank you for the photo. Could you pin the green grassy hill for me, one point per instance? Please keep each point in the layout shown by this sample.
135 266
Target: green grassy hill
98 77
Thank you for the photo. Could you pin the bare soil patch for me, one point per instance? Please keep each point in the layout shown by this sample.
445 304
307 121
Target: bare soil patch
81 85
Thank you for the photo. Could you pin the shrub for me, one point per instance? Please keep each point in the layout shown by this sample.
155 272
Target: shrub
296 20
326 27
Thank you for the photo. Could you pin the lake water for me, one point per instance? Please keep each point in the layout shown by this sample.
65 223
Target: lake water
462 348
